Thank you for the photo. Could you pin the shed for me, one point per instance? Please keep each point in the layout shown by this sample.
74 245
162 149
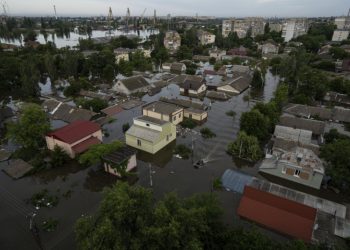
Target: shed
18 168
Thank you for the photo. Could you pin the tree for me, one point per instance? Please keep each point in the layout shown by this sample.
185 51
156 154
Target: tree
31 128
246 147
30 76
257 80
183 53
108 73
58 157
256 124
128 219
94 153
96 104
161 55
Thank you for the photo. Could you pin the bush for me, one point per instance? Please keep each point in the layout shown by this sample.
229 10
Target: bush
58 157
49 225
231 113
183 151
95 104
126 127
207 133
188 123
217 184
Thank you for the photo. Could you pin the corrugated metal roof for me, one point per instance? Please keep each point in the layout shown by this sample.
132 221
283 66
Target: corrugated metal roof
235 181
280 214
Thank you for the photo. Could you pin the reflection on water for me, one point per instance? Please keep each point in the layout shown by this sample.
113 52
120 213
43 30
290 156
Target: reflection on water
161 158
73 39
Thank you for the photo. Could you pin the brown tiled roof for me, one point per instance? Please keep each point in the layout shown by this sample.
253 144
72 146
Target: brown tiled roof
84 145
306 111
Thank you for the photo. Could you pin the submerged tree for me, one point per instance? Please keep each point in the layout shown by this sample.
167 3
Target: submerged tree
246 147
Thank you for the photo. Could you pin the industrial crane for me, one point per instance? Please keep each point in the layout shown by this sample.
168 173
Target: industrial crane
5 8
127 17
110 20
54 8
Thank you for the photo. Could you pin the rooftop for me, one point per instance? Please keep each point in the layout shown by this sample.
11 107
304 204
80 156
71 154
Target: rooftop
144 133
317 127
309 111
120 155
135 82
84 145
17 168
75 131
150 120
277 213
297 135
162 107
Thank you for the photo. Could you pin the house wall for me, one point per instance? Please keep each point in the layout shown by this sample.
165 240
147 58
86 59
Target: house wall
52 142
131 165
163 117
168 129
195 116
120 57
120 88
313 180
340 35
228 89
191 92
148 125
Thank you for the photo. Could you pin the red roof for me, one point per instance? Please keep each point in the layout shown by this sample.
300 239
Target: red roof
84 145
277 213
75 131
113 110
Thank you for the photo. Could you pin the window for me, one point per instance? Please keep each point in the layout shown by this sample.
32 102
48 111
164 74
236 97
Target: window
167 138
147 124
180 115
297 172
284 169
138 142
174 118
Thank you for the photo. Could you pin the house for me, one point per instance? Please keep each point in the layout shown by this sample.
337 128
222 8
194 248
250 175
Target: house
75 138
217 53
269 47
205 37
93 95
193 88
166 67
184 103
341 114
309 111
150 134
235 86
316 127
198 115
293 134
284 144
337 98
241 51
67 113
172 41
241 69
279 214
299 165
131 85
201 58
164 111
124 155
122 54
178 68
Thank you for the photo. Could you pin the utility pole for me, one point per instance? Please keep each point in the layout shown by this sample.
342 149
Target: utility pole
54 8
150 175
35 230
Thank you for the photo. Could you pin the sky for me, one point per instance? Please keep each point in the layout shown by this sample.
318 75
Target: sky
218 8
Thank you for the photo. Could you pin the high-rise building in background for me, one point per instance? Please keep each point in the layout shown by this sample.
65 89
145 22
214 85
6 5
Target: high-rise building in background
292 28
251 26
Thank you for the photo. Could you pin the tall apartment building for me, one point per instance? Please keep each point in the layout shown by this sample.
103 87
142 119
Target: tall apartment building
293 28
242 26
342 31
205 37
275 27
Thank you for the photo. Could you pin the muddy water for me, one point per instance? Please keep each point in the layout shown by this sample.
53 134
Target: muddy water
162 172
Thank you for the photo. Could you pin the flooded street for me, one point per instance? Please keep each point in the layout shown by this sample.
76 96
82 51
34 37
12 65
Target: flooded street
80 189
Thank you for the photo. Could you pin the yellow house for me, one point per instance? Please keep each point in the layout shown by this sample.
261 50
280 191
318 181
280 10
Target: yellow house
75 138
164 111
150 134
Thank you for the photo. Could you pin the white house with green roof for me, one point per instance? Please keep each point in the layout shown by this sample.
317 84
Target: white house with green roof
150 134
